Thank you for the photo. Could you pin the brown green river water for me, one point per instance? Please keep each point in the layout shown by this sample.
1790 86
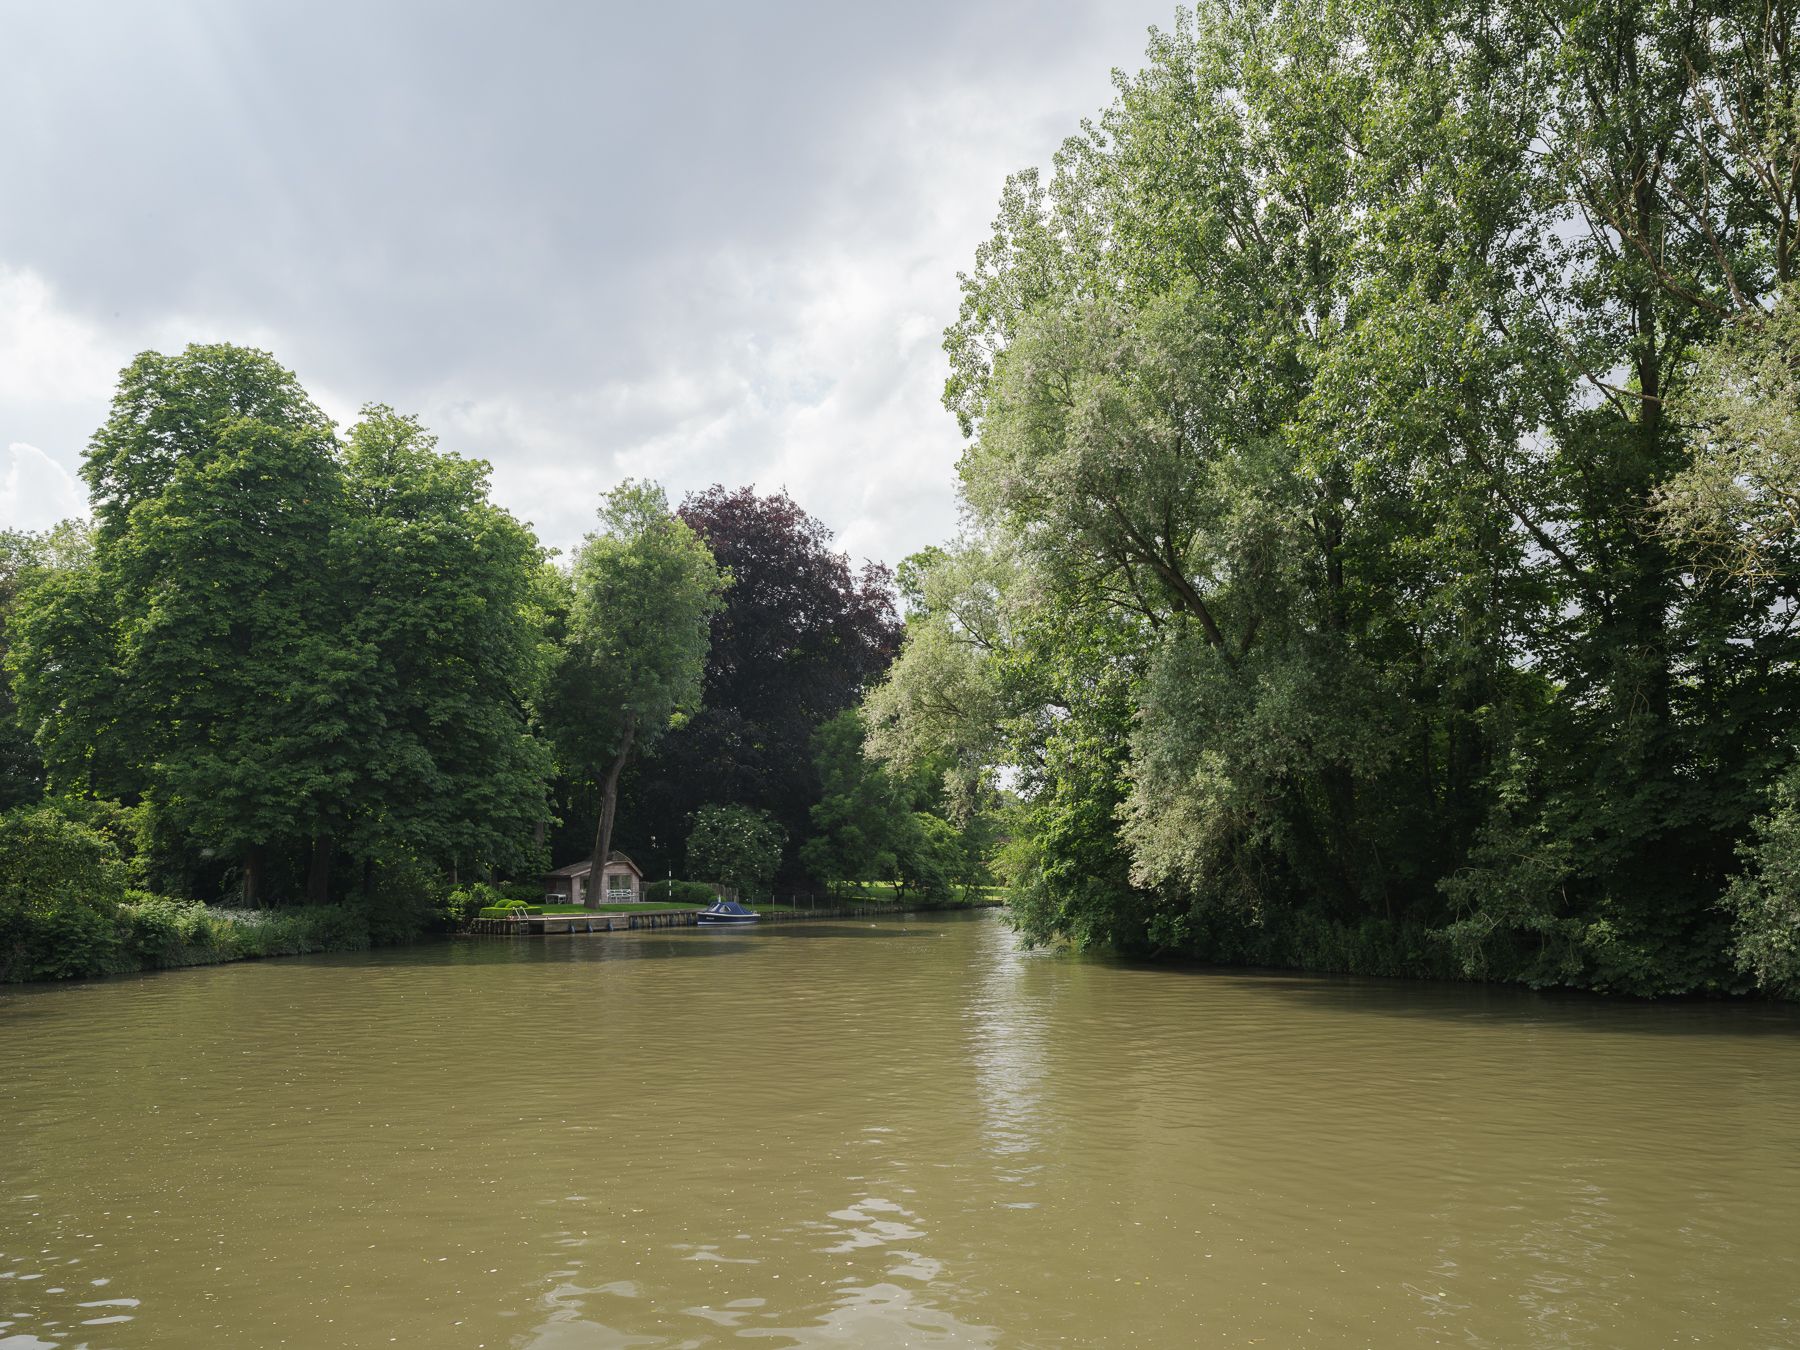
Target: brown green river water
899 1132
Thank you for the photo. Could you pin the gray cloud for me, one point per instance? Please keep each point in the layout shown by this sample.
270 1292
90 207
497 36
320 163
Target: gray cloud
703 243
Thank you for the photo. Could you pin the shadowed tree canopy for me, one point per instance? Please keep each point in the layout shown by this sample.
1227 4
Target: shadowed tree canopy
800 637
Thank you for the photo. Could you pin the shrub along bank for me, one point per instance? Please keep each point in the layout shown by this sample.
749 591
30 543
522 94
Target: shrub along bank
68 909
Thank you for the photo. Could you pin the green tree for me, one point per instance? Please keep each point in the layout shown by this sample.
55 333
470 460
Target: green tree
1735 505
442 606
283 647
194 662
735 846
856 820
645 589
27 560
1765 898
1320 404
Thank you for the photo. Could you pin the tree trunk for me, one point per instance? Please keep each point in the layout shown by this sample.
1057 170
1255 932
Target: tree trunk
318 873
252 875
609 802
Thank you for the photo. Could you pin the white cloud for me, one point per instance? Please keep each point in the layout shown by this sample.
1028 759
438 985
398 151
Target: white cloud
566 261
36 491
46 353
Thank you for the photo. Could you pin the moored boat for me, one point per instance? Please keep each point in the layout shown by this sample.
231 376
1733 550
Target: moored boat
726 912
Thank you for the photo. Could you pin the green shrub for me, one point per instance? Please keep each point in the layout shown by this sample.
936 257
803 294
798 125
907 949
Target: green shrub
291 932
524 891
510 909
61 885
679 892
1764 900
406 901
471 901
162 932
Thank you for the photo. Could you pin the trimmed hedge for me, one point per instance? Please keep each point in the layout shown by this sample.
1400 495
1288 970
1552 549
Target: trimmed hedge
509 909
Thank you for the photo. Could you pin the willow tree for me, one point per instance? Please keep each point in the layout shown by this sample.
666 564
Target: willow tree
644 591
1370 609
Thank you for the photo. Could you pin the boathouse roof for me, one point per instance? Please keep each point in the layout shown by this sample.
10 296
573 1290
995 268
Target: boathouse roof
580 869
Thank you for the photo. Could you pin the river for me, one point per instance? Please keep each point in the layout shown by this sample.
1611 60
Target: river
883 1133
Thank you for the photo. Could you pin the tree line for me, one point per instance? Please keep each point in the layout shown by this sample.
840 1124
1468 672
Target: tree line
286 665
1383 498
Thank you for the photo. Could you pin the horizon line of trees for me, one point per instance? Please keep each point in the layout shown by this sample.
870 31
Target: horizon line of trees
286 665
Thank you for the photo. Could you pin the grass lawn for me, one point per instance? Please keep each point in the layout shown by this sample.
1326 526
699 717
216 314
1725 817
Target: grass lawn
628 908
885 892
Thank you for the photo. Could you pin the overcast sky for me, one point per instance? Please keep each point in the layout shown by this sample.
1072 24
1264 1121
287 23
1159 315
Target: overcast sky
698 243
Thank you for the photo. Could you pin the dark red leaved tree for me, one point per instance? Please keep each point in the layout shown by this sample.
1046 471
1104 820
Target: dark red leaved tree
802 635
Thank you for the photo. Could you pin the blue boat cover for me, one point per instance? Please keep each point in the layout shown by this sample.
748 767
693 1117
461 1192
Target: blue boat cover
727 907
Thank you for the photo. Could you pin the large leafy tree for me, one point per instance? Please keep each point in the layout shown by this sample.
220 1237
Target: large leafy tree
801 635
28 560
194 662
440 605
1329 403
857 824
644 592
736 846
291 649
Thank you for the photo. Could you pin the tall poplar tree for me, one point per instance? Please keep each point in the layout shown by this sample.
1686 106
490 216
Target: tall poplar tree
1382 592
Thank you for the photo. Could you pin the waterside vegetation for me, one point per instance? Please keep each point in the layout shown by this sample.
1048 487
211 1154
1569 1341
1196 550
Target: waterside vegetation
295 691
1383 499
1381 554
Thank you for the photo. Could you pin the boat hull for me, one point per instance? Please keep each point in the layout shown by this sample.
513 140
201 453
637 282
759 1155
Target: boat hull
726 920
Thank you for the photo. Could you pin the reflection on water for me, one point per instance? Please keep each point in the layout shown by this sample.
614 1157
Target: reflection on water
882 1133
1004 1042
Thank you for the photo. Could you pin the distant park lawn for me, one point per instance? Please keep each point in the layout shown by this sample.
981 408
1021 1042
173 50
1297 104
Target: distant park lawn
886 892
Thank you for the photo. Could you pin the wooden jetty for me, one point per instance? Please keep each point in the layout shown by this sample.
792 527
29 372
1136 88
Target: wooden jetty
544 925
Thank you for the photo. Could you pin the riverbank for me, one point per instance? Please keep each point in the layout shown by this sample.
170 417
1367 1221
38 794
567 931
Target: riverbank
156 933
151 933
563 920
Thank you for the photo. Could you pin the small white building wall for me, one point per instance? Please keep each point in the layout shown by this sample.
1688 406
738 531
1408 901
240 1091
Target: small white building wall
620 884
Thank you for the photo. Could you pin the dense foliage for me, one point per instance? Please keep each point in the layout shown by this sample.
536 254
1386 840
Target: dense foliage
800 637
298 655
871 824
68 909
644 590
284 667
674 892
735 846
1382 547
